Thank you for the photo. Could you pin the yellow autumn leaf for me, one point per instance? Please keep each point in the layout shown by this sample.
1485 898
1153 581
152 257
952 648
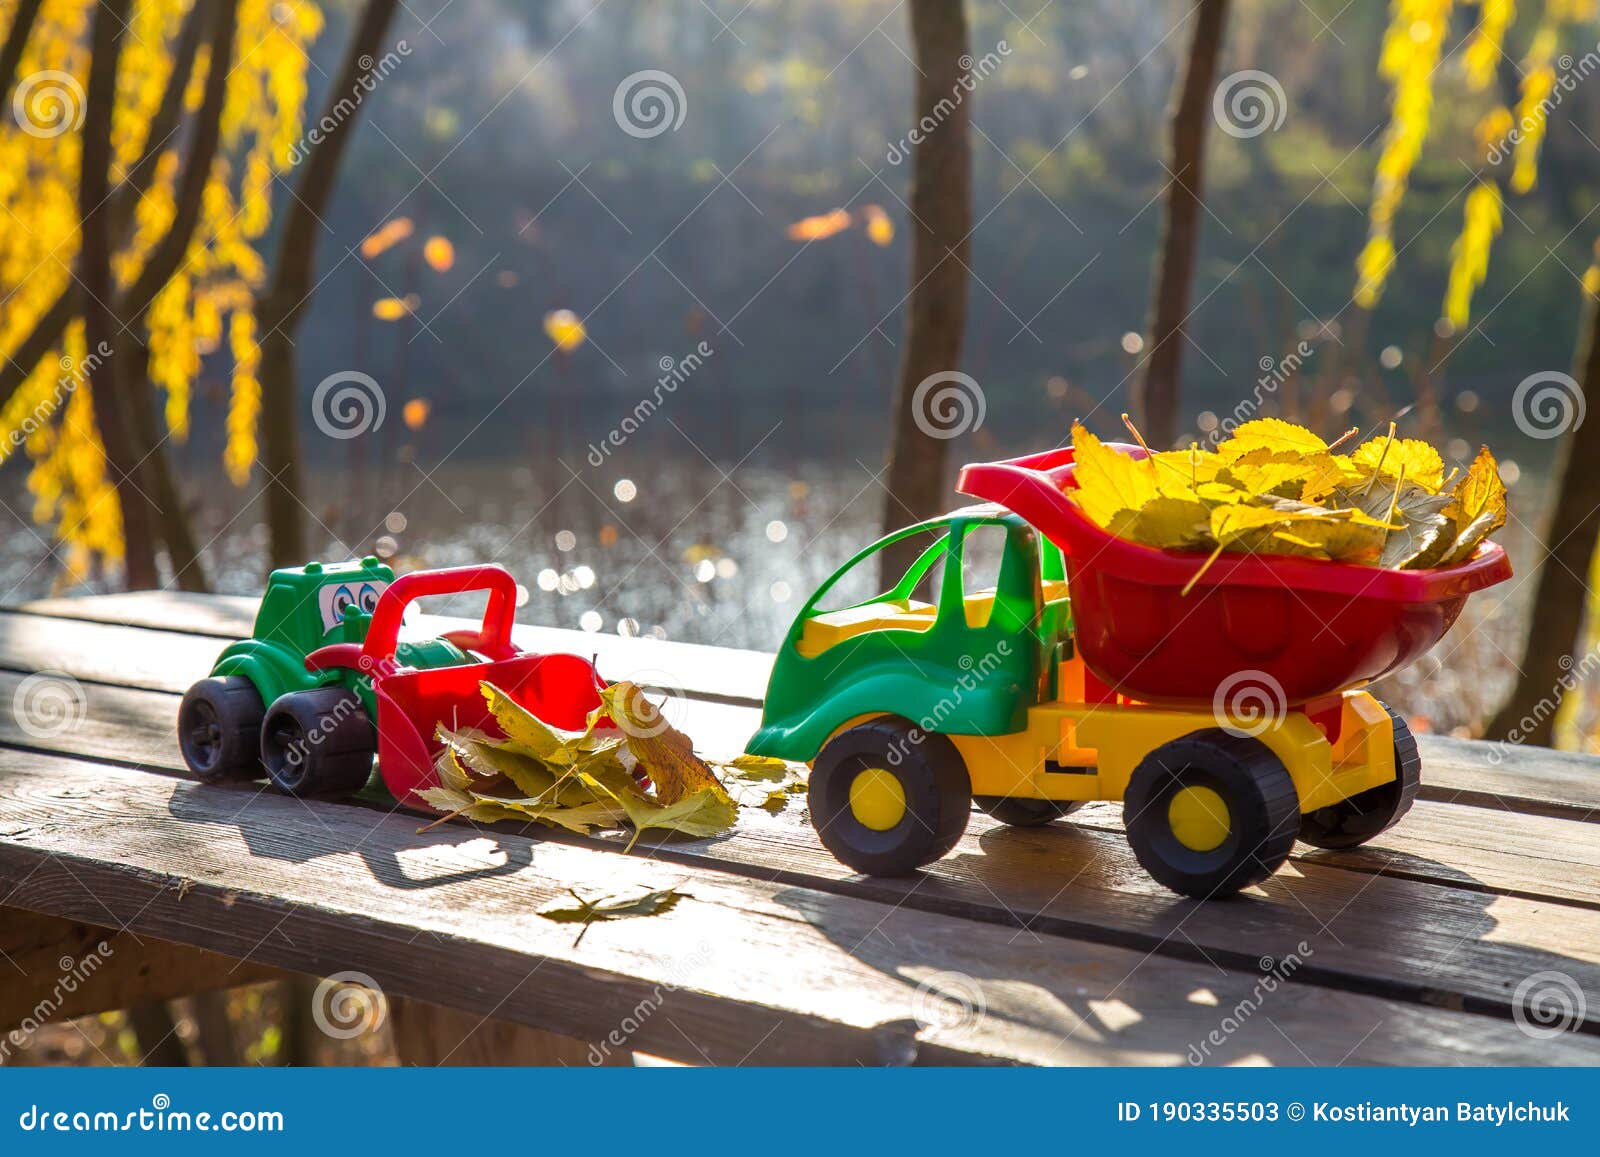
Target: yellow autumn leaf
386 236
393 308
565 330
1389 456
1272 434
439 253
415 413
665 753
820 227
1109 481
880 230
1169 523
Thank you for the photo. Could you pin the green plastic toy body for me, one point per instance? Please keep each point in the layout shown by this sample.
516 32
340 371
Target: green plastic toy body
306 607
962 677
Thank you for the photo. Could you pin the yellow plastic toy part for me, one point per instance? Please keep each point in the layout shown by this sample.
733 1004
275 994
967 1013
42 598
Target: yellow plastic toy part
877 801
831 628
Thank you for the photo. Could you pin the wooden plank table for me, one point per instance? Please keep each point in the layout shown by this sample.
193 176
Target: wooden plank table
1024 946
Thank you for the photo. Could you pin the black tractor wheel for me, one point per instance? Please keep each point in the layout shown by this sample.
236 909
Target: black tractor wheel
1023 812
1211 813
318 744
219 729
1352 822
888 798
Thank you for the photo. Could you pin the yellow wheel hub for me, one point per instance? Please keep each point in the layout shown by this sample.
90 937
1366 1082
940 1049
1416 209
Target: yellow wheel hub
1199 818
877 800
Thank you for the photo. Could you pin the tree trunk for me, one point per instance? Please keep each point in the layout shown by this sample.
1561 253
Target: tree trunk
172 517
101 334
1156 398
926 414
1561 597
47 331
22 20
281 308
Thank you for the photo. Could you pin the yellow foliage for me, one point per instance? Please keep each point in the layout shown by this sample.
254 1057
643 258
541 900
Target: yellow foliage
1277 488
1469 256
390 308
51 415
244 404
1533 114
1411 48
386 236
565 330
821 227
439 254
880 230
1483 50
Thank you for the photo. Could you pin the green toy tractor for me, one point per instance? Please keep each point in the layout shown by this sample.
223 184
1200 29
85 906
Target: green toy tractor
306 607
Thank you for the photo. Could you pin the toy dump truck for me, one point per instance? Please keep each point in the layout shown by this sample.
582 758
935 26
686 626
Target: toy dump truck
1229 720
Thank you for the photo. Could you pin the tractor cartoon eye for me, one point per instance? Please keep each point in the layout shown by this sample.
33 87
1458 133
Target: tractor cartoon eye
369 597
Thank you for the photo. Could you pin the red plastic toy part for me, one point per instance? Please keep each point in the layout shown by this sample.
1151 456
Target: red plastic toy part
1311 628
561 689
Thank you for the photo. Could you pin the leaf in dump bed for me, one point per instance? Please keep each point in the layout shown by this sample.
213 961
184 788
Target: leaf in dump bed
1477 508
1109 481
1342 536
1272 434
1169 523
1190 467
499 770
588 912
1419 461
664 752
1467 541
530 735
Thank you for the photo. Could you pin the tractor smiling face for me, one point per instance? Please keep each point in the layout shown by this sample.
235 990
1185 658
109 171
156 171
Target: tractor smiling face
334 598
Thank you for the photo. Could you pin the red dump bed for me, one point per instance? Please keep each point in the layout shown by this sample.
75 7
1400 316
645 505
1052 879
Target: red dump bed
1304 627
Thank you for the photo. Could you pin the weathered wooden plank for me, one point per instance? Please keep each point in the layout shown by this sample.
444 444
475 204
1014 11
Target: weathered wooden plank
709 672
740 971
1536 781
57 969
1483 849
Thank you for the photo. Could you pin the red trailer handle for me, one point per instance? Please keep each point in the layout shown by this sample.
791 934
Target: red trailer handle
493 639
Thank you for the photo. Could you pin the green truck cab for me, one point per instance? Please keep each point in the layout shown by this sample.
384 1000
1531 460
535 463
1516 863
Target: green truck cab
304 607
971 662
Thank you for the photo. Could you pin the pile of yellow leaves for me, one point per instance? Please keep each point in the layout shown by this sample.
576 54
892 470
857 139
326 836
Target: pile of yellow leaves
1276 488
642 772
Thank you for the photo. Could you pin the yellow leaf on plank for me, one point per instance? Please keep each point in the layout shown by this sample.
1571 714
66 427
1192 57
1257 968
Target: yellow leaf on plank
1109 481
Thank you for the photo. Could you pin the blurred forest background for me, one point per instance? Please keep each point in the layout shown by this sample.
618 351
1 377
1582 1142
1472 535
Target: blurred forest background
754 254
